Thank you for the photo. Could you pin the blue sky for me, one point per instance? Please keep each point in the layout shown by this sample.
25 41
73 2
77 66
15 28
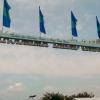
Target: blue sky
26 70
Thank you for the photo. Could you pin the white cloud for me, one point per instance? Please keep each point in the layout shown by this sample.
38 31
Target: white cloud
17 87
12 89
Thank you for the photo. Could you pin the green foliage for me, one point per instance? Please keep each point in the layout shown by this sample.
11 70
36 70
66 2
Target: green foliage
83 95
52 96
58 96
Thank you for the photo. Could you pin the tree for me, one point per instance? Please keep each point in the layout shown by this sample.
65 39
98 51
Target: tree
58 96
53 96
83 95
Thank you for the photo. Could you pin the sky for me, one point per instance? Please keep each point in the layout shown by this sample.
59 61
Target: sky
26 70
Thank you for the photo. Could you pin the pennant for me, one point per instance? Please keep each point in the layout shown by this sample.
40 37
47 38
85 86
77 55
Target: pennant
6 16
98 26
73 25
41 17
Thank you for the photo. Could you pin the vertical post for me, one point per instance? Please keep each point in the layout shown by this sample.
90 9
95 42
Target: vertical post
2 17
72 38
40 35
39 19
2 29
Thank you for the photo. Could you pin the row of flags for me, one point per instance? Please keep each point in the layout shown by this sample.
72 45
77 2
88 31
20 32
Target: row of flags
7 20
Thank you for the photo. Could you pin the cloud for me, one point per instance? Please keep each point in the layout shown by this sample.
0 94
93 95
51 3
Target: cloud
17 87
13 89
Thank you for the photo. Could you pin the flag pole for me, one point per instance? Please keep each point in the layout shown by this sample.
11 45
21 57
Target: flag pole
39 22
40 35
2 29
2 18
72 37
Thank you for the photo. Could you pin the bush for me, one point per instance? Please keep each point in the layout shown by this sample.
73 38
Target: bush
58 96
52 96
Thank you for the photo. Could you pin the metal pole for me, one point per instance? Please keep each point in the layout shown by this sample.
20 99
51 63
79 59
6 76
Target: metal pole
2 29
2 18
40 35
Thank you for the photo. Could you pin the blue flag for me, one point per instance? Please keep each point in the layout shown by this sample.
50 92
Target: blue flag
73 25
6 16
98 26
41 17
